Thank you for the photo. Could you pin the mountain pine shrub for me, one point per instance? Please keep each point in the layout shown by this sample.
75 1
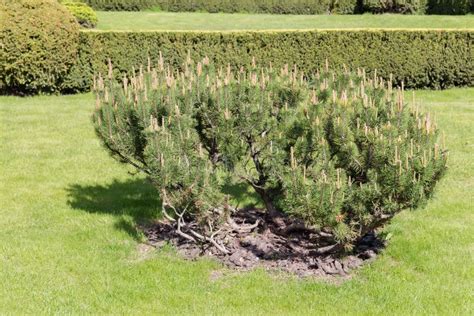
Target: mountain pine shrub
339 151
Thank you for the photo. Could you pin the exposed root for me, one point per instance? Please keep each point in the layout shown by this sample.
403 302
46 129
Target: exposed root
211 239
328 249
241 228
184 235
216 244
249 238
186 231
181 233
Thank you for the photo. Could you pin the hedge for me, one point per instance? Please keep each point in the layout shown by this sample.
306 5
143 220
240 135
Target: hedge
291 6
420 58
261 6
231 6
121 5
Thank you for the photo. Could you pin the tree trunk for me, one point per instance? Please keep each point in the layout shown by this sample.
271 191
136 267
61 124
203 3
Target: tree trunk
272 212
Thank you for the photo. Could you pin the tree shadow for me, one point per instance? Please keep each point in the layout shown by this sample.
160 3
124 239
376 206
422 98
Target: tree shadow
242 195
134 201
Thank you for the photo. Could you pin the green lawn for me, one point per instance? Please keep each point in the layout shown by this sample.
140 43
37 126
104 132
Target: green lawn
68 242
224 22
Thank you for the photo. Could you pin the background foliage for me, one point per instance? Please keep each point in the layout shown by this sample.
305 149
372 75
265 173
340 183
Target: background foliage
398 6
450 6
39 41
422 59
83 13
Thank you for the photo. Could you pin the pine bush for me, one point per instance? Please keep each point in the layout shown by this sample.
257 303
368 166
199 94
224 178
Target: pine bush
341 151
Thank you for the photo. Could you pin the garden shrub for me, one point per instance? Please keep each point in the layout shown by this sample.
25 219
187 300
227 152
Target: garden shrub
421 59
39 41
83 13
341 151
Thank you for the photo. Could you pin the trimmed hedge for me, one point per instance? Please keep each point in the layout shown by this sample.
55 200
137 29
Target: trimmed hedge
419 58
261 6
231 6
121 5
291 6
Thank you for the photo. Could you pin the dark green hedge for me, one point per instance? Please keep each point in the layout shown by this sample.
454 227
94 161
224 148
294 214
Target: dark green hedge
447 7
291 6
121 5
450 6
261 6
422 58
231 6
395 6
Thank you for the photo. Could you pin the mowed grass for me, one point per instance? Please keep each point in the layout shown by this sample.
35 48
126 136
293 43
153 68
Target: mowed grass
168 21
68 242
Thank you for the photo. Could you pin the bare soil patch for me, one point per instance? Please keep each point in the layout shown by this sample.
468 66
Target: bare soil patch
271 247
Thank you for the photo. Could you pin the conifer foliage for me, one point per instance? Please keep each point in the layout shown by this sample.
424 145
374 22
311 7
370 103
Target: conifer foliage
340 152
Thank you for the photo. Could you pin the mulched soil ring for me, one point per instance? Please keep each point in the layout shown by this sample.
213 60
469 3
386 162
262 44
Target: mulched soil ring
268 248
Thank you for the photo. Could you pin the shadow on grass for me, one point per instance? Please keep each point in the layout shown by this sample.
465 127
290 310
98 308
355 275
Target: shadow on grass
242 195
136 202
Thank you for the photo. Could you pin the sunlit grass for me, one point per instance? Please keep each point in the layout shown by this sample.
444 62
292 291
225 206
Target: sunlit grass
68 242
131 21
